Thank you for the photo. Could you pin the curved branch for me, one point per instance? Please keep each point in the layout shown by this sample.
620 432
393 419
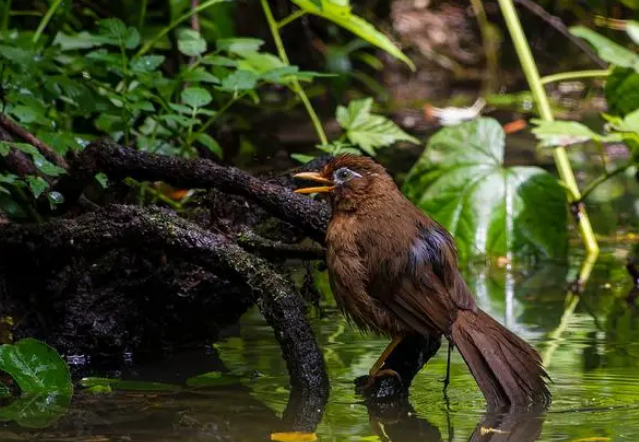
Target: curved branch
119 162
129 226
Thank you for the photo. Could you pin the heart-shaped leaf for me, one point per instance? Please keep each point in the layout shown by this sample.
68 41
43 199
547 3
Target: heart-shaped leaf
196 97
37 410
461 181
35 366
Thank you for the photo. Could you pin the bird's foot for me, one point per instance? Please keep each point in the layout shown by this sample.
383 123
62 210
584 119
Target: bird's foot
380 374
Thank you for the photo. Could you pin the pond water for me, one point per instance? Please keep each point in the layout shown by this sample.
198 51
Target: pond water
590 344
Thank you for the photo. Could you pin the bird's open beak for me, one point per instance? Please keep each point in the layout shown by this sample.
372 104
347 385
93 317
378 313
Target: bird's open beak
314 176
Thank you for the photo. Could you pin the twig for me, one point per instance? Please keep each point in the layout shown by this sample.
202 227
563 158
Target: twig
601 179
19 132
253 242
558 24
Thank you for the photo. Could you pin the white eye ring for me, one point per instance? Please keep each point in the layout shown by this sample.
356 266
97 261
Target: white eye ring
344 174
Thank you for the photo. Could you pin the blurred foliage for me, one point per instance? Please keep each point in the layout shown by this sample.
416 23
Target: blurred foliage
146 77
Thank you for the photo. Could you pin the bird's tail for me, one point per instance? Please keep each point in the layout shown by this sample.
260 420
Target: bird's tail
508 370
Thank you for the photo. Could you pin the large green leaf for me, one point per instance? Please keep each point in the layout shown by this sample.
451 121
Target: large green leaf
37 410
369 131
341 15
607 49
461 181
622 91
35 366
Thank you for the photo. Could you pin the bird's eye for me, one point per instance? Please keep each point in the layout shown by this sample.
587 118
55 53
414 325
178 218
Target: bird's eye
343 174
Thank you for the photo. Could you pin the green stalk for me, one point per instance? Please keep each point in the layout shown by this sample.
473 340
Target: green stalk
45 20
539 94
291 18
141 19
575 75
5 18
297 88
160 35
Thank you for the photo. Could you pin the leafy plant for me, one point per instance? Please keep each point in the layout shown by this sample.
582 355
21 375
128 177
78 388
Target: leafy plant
461 182
44 381
363 131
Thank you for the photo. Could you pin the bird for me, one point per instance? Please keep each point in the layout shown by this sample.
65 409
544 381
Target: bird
394 272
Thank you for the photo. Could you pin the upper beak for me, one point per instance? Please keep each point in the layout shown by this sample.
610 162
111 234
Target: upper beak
314 176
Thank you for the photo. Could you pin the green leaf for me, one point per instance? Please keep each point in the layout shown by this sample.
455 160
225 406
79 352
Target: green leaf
607 49
239 45
460 180
622 91
342 16
5 148
369 131
81 40
302 158
211 144
146 63
632 29
35 366
212 379
260 63
239 81
47 167
191 43
115 32
27 114
196 97
36 184
563 133
117 384
199 75
37 410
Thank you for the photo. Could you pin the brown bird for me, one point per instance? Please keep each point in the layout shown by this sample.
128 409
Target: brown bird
393 271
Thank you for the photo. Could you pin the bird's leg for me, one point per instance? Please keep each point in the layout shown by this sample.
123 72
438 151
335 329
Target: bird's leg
376 370
447 379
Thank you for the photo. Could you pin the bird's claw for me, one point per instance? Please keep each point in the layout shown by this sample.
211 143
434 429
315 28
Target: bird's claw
381 373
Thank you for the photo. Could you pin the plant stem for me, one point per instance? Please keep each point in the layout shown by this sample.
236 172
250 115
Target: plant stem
294 16
5 18
539 94
160 35
213 118
574 75
143 5
488 43
297 88
45 20
602 179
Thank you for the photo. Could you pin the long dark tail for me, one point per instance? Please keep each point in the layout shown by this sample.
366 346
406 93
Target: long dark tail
507 369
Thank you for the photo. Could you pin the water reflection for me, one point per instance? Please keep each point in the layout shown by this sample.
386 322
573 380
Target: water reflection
590 341
399 422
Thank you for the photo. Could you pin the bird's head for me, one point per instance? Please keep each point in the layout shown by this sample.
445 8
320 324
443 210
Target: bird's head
349 180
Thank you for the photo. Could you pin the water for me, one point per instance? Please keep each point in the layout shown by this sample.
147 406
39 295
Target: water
590 344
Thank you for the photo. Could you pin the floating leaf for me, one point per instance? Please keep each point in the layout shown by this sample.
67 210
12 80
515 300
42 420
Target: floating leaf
607 49
37 410
212 379
369 131
118 384
35 366
191 43
196 97
461 181
341 15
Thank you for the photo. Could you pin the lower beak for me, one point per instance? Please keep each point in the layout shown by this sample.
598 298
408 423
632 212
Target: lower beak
314 176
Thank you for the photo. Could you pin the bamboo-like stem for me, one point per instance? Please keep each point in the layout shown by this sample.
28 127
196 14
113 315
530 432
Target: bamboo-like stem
541 99
296 86
575 75
45 20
